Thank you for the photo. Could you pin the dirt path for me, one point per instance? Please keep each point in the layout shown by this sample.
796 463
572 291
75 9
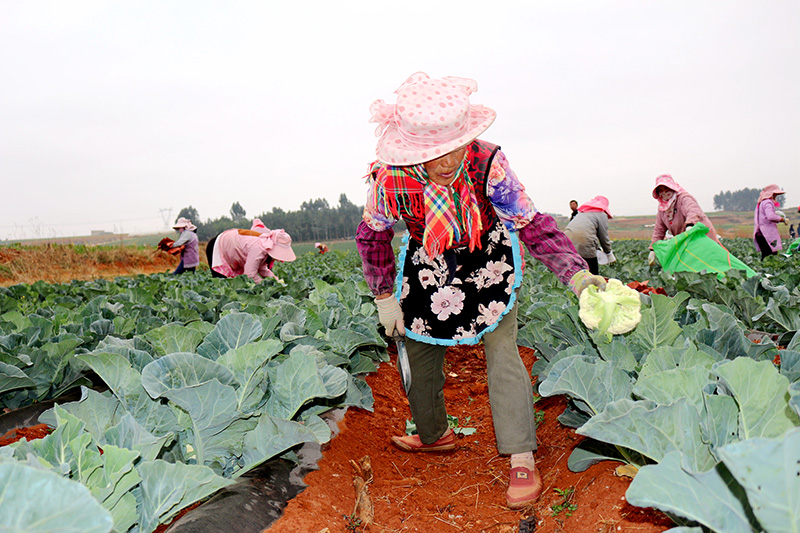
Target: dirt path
464 490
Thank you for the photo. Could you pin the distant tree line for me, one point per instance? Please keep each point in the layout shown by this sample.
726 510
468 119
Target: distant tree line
741 200
314 221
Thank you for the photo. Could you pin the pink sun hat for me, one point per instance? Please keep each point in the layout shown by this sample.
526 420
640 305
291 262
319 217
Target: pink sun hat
598 203
279 245
432 117
185 223
769 191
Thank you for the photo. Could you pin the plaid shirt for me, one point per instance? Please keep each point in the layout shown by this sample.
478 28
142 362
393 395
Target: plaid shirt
539 232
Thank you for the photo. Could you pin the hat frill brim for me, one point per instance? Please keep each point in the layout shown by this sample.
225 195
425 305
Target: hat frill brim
393 149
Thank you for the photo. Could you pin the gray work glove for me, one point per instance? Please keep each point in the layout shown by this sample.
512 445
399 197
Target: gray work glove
390 315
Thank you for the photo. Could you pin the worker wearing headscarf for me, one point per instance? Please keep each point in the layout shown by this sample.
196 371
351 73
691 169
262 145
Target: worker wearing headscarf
677 210
765 221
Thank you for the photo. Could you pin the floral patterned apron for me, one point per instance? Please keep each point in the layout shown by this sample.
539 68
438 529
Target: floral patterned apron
458 296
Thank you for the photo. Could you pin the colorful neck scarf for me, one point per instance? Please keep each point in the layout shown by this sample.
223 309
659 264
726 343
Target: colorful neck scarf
450 211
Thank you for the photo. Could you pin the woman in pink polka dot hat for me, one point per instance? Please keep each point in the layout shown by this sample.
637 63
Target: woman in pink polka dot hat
461 263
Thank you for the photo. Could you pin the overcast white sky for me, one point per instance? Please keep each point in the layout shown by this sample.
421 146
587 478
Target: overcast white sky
113 112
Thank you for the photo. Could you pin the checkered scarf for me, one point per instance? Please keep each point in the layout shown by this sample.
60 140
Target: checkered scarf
447 216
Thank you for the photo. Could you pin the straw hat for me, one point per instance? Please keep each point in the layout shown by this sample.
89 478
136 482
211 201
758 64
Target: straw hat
432 117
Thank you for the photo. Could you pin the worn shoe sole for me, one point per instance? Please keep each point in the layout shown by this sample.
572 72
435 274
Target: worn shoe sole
431 448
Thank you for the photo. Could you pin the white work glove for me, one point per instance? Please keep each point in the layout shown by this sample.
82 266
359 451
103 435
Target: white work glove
584 278
390 315
611 258
651 259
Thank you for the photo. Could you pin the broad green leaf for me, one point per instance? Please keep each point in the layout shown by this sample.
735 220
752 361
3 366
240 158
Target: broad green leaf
98 411
69 505
212 408
166 488
658 326
593 381
345 342
248 365
294 382
179 370
116 478
727 336
769 471
19 320
359 394
590 452
761 393
790 365
719 420
321 430
12 378
794 397
672 357
617 352
271 437
116 371
173 338
55 448
127 386
231 332
652 430
671 385
128 433
705 497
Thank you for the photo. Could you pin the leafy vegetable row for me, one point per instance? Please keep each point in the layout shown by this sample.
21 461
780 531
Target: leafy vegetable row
687 396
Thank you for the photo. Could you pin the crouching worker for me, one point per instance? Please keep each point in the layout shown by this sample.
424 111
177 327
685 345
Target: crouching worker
240 251
588 231
466 212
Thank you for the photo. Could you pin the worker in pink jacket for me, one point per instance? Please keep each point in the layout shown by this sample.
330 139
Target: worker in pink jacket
765 221
677 211
236 251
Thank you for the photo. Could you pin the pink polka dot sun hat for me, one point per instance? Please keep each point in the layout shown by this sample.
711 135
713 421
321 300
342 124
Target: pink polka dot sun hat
431 118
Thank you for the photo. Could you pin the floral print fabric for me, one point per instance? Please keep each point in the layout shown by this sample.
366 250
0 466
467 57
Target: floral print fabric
480 292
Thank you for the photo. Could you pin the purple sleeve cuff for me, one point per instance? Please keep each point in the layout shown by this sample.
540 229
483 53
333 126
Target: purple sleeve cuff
377 258
549 245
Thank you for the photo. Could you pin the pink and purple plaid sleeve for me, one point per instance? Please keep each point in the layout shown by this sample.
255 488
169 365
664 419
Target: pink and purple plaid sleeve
549 245
377 257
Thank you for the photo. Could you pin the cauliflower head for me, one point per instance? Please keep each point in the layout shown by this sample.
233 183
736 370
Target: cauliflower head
614 311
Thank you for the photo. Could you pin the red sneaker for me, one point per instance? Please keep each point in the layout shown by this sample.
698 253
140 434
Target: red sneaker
411 443
524 486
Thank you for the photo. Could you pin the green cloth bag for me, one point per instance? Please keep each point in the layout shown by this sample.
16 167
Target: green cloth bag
792 248
694 251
